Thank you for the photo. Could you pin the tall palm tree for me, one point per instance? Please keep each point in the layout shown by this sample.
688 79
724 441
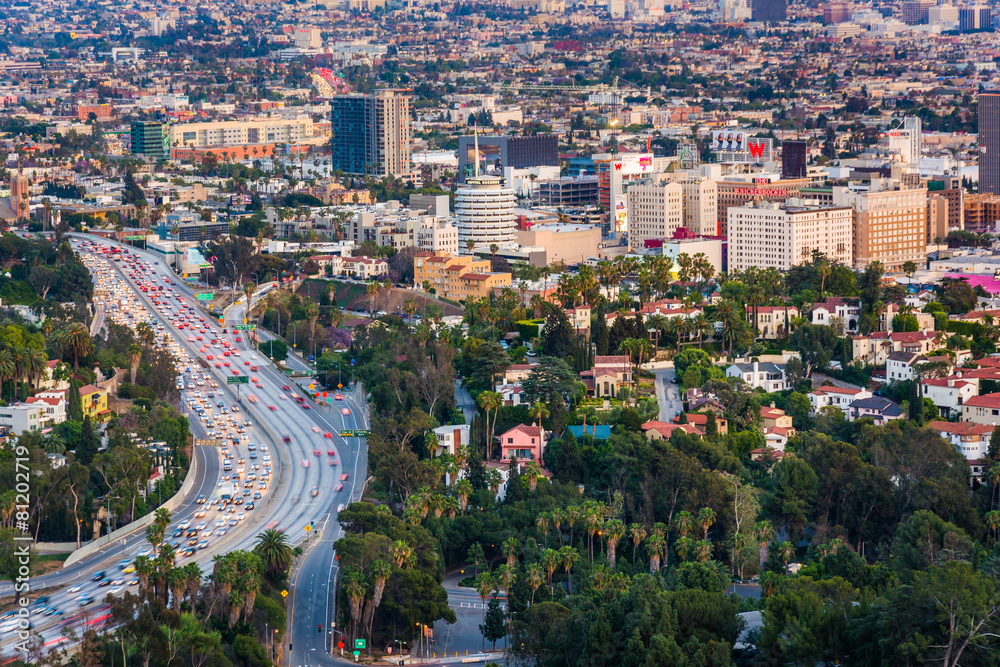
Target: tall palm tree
134 357
763 532
464 489
78 342
685 522
490 401
380 571
273 548
568 555
638 534
543 522
485 585
144 568
614 531
533 473
177 583
6 367
401 552
706 517
534 577
538 412
551 560
655 546
194 575
511 549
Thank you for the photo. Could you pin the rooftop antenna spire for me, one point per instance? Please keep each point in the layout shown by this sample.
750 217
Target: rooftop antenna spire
475 128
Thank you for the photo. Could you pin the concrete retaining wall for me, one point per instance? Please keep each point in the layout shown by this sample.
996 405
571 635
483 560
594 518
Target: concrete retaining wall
139 524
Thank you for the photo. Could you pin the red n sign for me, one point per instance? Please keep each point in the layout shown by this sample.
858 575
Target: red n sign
756 149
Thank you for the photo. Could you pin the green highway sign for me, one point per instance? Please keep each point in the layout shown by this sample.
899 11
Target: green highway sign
360 643
135 237
239 379
204 296
245 327
354 434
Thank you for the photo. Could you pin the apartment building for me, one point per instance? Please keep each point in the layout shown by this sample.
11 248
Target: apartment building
22 417
371 134
701 206
456 277
437 236
655 210
890 222
240 133
780 235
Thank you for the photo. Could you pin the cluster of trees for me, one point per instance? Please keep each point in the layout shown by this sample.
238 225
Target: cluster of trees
180 615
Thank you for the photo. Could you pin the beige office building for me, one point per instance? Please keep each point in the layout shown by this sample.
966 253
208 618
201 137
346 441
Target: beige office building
701 206
781 236
655 210
240 132
890 223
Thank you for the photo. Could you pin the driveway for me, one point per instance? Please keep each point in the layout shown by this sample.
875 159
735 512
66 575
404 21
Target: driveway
463 399
667 394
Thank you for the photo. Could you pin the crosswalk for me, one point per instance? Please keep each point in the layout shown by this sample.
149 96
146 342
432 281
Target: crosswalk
476 605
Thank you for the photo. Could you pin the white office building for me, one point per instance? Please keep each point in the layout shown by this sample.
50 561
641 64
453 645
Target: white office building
782 235
437 236
701 206
655 210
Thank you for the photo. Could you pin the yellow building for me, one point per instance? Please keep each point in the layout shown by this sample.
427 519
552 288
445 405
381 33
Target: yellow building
456 277
95 402
890 223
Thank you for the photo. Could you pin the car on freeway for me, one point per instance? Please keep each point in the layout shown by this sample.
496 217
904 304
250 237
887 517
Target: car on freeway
272 407
316 451
286 387
331 452
343 478
338 397
305 463
345 411
315 490
286 439
339 487
328 435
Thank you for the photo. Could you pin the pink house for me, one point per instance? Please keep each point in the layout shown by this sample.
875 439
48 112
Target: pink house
522 441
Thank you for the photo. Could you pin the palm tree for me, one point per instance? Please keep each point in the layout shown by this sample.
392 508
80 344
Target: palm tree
704 549
706 517
557 517
638 534
273 548
401 552
551 560
144 568
177 583
77 341
683 547
755 296
685 522
993 521
194 574
655 546
534 577
381 571
614 530
763 532
155 535
532 472
54 443
494 479
568 555
511 548
485 585
6 367
701 326
464 489
134 356
543 523
787 550
538 412
490 401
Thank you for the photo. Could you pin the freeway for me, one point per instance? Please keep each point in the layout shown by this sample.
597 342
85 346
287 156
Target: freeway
309 483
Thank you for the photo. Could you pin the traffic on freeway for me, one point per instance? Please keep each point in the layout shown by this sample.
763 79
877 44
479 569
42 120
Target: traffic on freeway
273 458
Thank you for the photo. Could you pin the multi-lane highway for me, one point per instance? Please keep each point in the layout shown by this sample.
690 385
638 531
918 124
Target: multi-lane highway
313 470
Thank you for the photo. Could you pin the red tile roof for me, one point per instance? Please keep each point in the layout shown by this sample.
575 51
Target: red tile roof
533 431
985 401
961 428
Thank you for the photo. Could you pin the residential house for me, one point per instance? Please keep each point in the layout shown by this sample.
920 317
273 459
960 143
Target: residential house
49 381
920 299
773 321
768 376
607 376
772 416
517 373
523 442
874 349
980 316
899 365
701 421
364 267
510 393
984 409
53 404
969 438
450 438
21 417
880 409
56 460
95 402
657 430
950 394
840 313
839 397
